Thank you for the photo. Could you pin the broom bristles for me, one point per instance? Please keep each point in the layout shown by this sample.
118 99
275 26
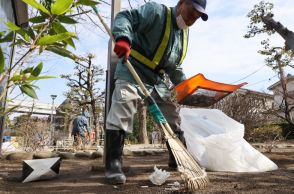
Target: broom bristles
192 174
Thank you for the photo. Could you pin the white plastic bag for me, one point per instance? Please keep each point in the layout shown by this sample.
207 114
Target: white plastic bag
217 142
159 176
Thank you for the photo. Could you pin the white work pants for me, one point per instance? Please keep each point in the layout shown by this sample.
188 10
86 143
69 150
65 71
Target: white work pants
124 106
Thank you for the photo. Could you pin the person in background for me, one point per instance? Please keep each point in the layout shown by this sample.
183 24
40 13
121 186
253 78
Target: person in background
81 129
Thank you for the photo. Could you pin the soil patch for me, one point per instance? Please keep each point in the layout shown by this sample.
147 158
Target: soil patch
87 176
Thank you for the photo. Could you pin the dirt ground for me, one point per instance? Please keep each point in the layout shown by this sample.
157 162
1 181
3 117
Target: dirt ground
87 176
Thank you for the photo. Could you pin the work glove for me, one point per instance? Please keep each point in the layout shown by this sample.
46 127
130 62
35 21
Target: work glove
122 48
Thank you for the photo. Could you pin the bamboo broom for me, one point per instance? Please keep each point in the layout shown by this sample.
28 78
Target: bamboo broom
193 175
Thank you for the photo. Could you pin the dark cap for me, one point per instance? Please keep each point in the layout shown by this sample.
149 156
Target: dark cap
200 6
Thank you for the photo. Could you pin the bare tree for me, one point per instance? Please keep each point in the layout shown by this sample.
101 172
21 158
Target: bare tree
262 21
33 132
247 107
84 90
69 111
142 114
277 57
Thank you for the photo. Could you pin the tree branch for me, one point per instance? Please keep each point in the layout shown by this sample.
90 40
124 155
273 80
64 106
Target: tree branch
287 34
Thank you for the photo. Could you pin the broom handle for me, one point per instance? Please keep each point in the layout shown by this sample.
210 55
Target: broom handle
132 70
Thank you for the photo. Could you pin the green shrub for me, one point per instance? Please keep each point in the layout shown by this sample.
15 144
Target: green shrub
277 131
287 130
264 133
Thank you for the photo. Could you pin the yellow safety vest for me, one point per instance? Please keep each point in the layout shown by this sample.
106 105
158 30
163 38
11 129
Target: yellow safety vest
155 61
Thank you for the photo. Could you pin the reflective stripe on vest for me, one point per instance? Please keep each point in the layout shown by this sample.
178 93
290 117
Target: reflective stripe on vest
162 47
184 47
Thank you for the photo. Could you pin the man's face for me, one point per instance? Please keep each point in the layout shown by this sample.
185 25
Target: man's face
188 12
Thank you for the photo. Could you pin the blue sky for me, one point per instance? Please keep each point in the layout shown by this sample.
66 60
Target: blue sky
216 47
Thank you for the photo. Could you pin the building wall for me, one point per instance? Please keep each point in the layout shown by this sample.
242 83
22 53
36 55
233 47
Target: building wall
6 14
290 88
278 97
267 99
290 85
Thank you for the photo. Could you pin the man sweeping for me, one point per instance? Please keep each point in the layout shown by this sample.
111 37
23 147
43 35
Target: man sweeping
154 39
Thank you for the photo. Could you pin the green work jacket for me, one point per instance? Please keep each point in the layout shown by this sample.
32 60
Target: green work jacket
144 28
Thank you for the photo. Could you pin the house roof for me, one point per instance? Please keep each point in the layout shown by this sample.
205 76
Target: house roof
20 12
288 78
263 94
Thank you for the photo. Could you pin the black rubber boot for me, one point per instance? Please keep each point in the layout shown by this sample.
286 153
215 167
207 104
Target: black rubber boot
172 161
113 161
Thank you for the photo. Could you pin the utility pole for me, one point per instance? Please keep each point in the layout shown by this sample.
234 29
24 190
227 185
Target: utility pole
112 61
51 118
111 65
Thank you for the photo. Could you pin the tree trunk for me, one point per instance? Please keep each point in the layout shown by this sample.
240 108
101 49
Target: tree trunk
287 34
142 114
95 121
69 127
287 109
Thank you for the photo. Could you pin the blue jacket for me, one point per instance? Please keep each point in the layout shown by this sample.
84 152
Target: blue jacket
80 125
